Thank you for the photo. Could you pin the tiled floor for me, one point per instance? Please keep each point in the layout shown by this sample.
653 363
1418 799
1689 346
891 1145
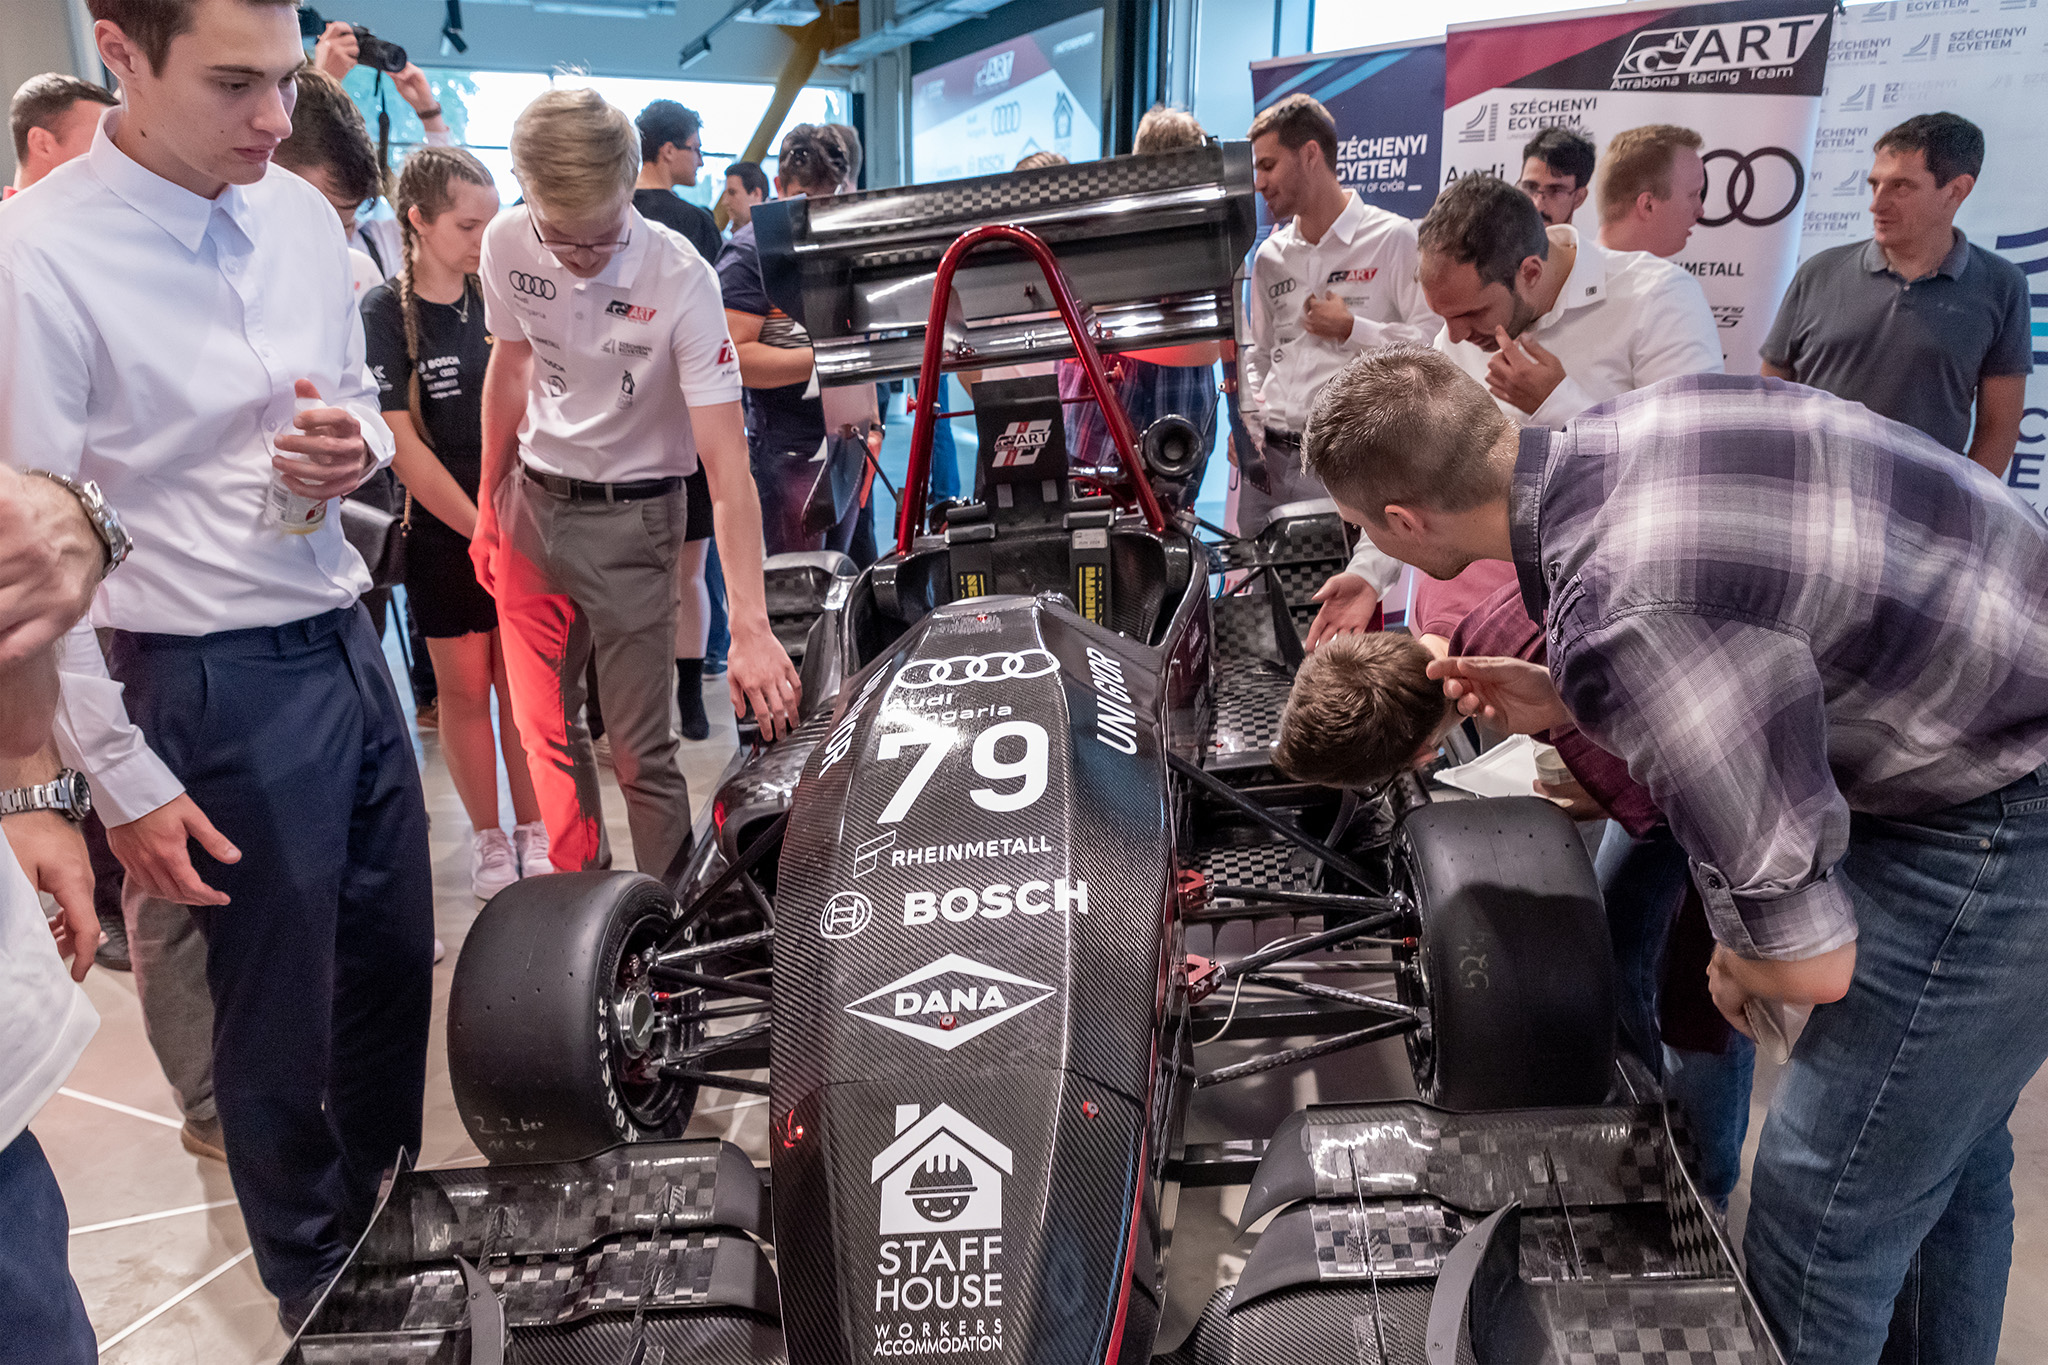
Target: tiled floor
172 1284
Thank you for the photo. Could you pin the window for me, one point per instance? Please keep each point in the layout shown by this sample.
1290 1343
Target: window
480 107
1338 27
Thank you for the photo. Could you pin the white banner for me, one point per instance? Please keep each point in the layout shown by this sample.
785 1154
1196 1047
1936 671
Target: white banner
1746 75
1988 61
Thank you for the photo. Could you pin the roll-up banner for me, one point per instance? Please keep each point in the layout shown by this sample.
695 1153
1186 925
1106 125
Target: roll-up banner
1746 75
1988 61
1388 104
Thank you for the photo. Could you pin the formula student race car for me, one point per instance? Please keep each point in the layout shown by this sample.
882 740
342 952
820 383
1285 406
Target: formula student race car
1023 855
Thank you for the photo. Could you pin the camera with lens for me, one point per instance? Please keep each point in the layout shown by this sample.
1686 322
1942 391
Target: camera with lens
371 51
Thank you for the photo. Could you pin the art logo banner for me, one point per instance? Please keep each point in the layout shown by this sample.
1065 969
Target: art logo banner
1988 61
1746 75
1388 105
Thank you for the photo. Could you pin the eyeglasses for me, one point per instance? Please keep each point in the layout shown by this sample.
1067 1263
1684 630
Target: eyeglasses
600 248
1536 191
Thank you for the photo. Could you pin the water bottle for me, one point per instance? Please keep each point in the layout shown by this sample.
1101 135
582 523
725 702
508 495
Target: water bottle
293 514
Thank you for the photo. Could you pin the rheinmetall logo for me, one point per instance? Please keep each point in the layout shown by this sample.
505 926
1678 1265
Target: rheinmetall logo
953 1000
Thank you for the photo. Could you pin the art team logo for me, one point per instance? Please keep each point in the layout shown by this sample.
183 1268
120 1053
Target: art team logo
1020 443
943 1173
631 312
1360 275
953 1001
1666 52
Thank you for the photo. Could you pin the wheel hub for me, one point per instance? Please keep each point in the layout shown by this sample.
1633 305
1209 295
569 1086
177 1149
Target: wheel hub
633 1014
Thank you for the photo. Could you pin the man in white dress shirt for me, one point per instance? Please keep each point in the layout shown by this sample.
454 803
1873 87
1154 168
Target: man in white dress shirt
1609 322
166 301
1335 279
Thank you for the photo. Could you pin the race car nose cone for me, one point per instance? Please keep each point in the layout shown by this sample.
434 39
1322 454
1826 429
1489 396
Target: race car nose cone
941 1188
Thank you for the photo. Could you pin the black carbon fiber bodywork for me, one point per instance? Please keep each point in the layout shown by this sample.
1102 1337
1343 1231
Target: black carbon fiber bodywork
978 1078
647 1243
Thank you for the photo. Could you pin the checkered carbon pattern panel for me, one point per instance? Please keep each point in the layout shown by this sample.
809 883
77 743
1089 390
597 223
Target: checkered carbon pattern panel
1319 1325
1478 1162
494 1211
660 1338
1624 1242
848 218
1249 698
1244 631
661 1271
1270 867
1623 1324
1300 582
1402 1238
1315 539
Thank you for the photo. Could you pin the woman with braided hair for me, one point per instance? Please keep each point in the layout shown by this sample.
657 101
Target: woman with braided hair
428 349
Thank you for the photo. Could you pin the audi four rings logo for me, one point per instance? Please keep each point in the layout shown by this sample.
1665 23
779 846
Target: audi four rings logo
1747 202
972 668
534 285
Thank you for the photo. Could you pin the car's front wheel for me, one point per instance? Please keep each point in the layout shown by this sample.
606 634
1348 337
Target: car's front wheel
554 1046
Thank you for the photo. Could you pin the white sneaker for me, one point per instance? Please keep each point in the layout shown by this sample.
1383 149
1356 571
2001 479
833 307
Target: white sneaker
530 842
492 867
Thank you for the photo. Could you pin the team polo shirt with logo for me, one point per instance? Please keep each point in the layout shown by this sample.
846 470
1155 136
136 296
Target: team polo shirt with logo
619 359
1367 259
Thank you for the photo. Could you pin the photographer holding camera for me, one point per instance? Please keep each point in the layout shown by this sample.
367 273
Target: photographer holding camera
340 49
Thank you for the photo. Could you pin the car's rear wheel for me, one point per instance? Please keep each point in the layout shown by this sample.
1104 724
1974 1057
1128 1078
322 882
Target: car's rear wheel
552 1020
1513 967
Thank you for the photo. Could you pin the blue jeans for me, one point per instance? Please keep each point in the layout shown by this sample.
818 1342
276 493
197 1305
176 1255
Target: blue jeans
945 482
1643 884
1883 1175
41 1316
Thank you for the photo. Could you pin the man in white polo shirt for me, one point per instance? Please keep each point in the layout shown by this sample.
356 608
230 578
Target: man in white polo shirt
1335 279
611 376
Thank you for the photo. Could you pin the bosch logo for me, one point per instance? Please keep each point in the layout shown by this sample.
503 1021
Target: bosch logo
846 914
533 286
1747 200
973 668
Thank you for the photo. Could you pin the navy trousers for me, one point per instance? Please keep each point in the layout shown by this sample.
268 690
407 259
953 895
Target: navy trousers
42 1319
292 741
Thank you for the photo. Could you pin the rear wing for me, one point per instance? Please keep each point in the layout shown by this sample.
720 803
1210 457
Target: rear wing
1151 245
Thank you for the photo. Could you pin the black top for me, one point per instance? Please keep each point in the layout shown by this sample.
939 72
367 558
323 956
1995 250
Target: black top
779 421
1914 351
453 351
663 207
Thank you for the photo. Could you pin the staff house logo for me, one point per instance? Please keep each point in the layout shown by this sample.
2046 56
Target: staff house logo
941 1174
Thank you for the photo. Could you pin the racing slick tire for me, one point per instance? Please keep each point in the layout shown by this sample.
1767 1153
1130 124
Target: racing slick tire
1513 964
536 1056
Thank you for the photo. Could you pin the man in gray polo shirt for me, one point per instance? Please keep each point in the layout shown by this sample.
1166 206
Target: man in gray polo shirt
1916 324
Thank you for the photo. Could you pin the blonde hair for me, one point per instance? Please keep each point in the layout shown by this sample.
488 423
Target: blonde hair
1361 706
575 154
1166 130
1639 159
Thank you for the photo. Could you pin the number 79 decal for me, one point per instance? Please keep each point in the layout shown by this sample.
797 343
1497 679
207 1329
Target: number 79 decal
1028 770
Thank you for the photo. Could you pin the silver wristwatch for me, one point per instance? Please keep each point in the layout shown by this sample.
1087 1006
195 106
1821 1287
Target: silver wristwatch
66 793
105 521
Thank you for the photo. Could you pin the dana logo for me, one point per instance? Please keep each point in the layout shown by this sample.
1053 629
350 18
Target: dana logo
954 1000
1666 56
995 901
1020 443
845 915
941 1174
631 312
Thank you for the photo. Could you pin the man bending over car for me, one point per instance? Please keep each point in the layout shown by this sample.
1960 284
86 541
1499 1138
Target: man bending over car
1846 732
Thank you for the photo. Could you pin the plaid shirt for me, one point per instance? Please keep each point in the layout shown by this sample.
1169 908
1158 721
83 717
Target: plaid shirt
1779 608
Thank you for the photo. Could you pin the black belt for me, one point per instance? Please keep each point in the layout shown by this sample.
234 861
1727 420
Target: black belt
1286 440
580 490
